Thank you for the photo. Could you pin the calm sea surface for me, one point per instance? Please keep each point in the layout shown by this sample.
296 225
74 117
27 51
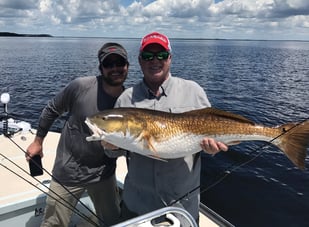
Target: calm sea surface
266 81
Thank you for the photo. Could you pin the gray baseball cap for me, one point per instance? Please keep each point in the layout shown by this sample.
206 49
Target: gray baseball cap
111 48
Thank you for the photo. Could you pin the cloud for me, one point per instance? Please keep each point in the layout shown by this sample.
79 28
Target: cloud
263 8
283 9
17 4
179 8
267 19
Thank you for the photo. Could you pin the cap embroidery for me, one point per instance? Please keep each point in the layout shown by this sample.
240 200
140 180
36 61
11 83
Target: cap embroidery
112 49
155 37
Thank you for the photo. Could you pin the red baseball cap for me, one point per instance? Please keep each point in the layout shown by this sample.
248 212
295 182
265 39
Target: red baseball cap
156 37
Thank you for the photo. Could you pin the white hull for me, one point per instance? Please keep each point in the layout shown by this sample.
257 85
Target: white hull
30 212
22 204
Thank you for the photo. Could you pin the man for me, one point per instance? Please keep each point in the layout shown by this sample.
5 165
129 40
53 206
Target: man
152 184
79 165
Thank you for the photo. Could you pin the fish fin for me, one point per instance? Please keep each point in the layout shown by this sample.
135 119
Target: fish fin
151 147
148 142
157 158
233 143
92 138
213 112
294 142
148 145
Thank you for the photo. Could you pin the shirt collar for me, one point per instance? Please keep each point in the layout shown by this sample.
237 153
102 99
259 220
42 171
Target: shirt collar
163 89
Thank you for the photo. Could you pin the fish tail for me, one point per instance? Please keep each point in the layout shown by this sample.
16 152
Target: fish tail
294 142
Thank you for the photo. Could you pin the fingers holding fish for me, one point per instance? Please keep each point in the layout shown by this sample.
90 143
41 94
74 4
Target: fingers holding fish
211 146
108 146
222 146
112 151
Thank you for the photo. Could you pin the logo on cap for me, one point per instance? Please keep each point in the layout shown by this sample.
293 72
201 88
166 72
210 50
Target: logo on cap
111 49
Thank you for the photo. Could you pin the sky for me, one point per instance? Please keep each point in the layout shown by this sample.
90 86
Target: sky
208 19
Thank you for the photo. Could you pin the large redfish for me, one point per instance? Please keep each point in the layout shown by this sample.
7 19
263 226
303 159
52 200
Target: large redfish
166 135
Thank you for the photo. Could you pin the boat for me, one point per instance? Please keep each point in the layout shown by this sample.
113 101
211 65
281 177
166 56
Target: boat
22 197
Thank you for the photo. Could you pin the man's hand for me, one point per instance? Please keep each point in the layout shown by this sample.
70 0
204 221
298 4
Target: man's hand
35 148
211 146
108 146
111 150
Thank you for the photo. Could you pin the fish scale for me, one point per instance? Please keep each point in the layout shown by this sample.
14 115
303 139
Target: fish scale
166 135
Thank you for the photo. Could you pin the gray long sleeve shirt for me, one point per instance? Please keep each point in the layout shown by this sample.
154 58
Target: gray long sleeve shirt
151 184
78 162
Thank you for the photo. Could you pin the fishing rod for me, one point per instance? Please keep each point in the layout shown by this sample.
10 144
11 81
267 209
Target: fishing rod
63 186
66 204
5 98
234 167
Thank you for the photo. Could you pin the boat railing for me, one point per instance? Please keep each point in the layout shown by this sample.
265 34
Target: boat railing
171 216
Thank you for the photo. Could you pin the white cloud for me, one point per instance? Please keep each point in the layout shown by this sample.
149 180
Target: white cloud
267 19
178 8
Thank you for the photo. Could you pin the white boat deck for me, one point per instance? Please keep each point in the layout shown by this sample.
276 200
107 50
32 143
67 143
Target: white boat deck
19 198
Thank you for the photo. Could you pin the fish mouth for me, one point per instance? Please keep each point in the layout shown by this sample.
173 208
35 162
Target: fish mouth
98 134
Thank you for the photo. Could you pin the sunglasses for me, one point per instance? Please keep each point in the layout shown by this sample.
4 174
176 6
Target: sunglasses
149 56
114 63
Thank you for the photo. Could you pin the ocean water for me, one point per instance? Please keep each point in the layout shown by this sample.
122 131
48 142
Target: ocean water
265 81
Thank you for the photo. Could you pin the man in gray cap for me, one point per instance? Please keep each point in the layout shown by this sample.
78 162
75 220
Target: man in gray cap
79 165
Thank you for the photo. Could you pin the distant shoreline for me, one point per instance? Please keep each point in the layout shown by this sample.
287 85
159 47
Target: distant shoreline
12 34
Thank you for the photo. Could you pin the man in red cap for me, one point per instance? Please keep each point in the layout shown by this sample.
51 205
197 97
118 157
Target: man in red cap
152 184
79 165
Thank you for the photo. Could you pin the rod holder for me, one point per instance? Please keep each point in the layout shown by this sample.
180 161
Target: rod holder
5 99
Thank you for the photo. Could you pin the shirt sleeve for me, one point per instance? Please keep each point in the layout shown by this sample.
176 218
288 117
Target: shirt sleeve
55 108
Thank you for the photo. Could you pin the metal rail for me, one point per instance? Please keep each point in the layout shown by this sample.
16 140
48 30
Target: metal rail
171 216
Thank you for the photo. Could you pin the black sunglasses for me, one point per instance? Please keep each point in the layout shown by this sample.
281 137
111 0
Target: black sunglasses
149 56
114 63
